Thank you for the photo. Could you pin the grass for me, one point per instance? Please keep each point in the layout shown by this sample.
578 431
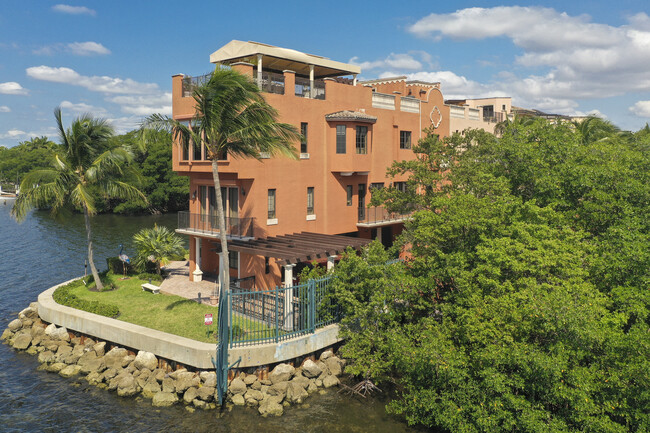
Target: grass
167 313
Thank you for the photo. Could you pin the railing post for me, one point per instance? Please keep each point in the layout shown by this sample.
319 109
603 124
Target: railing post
311 295
228 294
277 314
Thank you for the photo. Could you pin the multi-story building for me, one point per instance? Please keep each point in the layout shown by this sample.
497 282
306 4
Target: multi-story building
283 212
480 113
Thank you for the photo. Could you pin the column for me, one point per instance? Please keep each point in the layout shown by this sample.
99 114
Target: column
354 79
311 81
330 262
288 297
259 71
378 234
198 274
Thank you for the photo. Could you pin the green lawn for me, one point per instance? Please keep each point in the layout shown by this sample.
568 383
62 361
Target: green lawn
167 313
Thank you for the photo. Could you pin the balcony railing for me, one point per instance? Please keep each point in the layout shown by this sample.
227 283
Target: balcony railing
271 82
191 83
378 215
303 88
209 224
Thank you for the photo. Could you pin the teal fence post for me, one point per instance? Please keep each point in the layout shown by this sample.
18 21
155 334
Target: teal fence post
230 316
311 294
277 314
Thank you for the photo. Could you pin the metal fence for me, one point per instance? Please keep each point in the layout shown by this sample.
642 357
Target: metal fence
208 224
265 316
271 82
379 214
304 90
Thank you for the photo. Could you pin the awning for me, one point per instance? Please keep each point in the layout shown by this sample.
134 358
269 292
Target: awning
298 247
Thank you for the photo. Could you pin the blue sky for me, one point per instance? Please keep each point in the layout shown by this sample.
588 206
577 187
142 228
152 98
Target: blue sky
115 59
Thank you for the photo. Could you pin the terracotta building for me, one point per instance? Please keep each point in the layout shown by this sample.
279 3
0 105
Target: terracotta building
283 213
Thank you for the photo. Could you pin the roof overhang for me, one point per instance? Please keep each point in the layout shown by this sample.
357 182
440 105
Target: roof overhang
350 116
281 59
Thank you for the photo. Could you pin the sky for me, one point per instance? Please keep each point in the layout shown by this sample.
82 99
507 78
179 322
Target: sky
114 59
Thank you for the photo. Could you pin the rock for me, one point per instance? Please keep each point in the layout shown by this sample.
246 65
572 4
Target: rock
89 342
270 408
209 378
30 313
109 374
330 381
70 370
100 348
37 330
318 382
250 379
256 395
159 374
238 399
281 373
146 360
174 374
185 380
237 386
251 402
32 350
56 367
15 325
114 357
22 339
127 386
325 355
127 362
206 393
279 388
60 334
302 380
163 399
190 395
46 357
200 404
7 334
266 382
151 388
49 330
311 369
168 385
295 392
76 341
334 365
90 362
94 378
257 385
312 387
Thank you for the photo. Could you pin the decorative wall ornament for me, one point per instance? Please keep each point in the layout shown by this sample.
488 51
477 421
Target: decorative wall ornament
435 116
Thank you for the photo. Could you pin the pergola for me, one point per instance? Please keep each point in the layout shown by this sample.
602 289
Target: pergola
298 247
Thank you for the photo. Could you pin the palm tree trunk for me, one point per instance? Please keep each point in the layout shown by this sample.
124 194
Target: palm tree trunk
221 219
93 269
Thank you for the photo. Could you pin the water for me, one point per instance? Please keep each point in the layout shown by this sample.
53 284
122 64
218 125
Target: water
42 252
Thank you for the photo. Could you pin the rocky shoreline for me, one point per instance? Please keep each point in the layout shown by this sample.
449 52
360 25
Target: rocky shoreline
117 369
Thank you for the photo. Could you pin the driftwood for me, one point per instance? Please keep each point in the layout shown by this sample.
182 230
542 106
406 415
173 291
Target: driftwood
361 389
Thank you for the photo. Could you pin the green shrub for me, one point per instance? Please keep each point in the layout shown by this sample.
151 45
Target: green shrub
146 276
116 266
63 296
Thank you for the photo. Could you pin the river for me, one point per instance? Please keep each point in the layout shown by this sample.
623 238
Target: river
42 252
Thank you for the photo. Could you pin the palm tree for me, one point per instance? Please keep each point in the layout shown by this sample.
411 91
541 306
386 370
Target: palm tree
231 117
594 128
156 245
84 166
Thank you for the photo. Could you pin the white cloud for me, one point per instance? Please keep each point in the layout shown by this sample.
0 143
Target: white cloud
405 61
12 88
102 84
641 109
145 105
73 10
81 107
88 48
4 109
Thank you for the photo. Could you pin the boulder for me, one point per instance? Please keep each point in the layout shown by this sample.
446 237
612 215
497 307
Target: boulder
250 379
334 365
190 394
60 334
159 374
168 385
114 357
38 331
174 374
270 408
75 341
90 362
257 385
127 362
325 355
185 380
127 386
330 381
312 387
238 400
109 374
163 399
49 330
209 378
151 388
200 404
70 370
94 378
89 343
256 395
302 380
295 392
46 357
7 334
15 325
206 393
146 360
22 339
281 373
56 367
311 369
30 313
237 386
279 388
100 348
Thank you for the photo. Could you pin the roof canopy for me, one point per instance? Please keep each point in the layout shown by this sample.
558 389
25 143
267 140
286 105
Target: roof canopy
351 116
298 247
280 59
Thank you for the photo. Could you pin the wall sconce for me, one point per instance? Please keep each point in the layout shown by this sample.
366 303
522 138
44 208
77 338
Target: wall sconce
194 195
243 191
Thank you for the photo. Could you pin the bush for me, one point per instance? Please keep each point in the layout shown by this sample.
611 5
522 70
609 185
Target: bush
116 266
63 296
146 276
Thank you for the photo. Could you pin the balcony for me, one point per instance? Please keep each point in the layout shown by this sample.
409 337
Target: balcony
271 82
304 90
207 225
379 216
191 83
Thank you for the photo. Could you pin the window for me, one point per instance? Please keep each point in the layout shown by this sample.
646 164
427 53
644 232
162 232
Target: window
362 140
340 138
349 190
405 139
271 204
310 200
196 156
267 266
303 141
233 259
376 185
185 151
400 186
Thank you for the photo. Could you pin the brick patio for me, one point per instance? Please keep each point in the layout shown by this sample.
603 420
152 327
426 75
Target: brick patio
178 283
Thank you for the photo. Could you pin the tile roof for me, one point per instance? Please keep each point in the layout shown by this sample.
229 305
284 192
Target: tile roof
351 116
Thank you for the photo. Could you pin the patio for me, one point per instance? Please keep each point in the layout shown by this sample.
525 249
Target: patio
178 283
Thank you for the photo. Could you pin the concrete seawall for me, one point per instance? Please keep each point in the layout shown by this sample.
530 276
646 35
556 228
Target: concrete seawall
173 347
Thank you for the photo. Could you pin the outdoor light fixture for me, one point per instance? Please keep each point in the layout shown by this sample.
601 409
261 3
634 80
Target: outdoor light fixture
243 191
194 195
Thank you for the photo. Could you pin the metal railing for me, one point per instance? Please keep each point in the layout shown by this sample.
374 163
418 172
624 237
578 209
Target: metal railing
378 215
271 82
191 83
281 313
304 90
208 224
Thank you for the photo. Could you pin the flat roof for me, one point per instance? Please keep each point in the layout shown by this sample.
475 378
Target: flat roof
280 59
